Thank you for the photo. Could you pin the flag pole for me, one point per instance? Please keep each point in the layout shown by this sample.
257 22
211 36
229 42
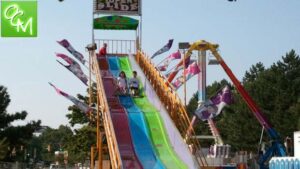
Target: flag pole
90 82
184 78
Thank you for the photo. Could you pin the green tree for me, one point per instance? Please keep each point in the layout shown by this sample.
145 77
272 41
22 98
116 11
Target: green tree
55 140
79 146
16 136
3 148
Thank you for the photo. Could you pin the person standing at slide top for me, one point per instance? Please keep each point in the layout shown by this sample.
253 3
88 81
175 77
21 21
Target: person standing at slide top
103 51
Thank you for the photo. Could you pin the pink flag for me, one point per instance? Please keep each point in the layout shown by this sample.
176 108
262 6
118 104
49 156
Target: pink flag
175 55
65 43
192 70
177 69
162 68
68 59
82 106
167 61
77 72
178 82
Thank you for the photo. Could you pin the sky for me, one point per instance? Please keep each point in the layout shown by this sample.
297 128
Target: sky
248 31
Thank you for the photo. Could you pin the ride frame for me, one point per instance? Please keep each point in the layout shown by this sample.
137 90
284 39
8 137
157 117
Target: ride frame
277 148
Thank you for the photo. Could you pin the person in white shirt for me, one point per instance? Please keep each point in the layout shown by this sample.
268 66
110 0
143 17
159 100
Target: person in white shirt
122 82
134 84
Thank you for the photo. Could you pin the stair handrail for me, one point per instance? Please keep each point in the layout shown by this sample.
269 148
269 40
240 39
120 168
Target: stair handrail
114 152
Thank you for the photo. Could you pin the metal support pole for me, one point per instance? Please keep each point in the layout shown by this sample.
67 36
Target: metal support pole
100 160
140 39
98 123
90 81
202 77
184 78
201 86
92 157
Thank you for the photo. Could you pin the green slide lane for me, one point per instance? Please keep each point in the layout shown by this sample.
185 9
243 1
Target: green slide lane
158 134
125 66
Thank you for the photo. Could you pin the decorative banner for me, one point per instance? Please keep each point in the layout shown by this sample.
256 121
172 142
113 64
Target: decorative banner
68 59
124 7
70 48
77 72
116 23
188 61
164 49
178 82
166 62
82 106
213 107
192 70
163 67
175 55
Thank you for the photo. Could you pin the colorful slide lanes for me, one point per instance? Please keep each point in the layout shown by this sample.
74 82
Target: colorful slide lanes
120 120
141 136
145 122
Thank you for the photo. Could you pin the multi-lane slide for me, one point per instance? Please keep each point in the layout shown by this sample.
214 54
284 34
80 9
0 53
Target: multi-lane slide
120 121
142 138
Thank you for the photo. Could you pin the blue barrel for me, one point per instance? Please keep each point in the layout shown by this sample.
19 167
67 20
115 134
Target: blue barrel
272 164
277 164
297 164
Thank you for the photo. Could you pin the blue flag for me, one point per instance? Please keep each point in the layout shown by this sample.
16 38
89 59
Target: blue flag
163 49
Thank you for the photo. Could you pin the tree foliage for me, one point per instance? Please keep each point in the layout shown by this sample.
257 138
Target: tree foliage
275 90
15 136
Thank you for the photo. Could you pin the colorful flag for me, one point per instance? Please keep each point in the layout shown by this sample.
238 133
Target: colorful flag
213 107
82 106
162 67
70 48
166 62
192 70
178 82
68 59
175 55
187 62
76 70
163 49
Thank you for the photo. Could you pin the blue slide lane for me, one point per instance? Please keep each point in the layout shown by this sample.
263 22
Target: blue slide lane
140 135
114 66
137 124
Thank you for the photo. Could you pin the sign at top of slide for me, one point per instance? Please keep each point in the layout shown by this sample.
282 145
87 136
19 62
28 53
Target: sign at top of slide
125 7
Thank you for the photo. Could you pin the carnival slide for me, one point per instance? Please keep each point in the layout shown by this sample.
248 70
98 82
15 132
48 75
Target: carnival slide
142 138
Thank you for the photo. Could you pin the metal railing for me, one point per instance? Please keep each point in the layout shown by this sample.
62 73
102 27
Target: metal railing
172 103
118 46
114 152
